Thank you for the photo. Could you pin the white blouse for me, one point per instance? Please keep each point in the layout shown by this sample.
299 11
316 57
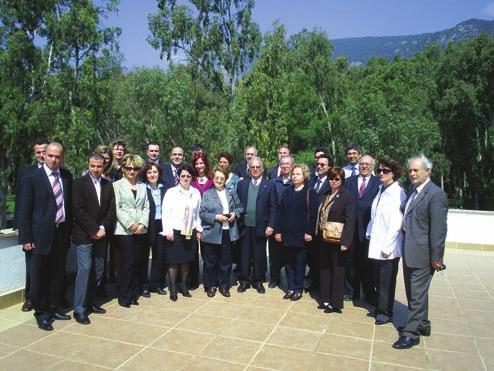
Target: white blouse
226 207
180 210
384 228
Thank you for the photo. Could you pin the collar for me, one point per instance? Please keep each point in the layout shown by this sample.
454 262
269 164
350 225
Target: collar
148 186
421 187
50 171
94 179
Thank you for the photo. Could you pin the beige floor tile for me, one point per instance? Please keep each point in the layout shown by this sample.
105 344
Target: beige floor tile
307 307
261 315
185 304
486 349
324 362
481 329
353 329
481 305
227 349
463 294
26 360
450 326
386 334
269 302
477 315
61 344
164 318
219 309
451 361
355 314
157 360
247 330
5 350
205 364
6 324
455 343
76 366
280 358
345 347
22 335
183 341
14 313
205 324
290 337
414 357
306 321
105 353
376 366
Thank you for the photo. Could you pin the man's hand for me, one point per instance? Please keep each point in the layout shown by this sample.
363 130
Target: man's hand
436 264
99 235
277 237
269 231
169 237
307 237
28 246
344 248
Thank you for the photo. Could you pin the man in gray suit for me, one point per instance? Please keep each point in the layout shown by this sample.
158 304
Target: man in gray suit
424 226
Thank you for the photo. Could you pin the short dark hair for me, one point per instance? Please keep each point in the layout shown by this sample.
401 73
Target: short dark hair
148 166
96 156
152 143
118 142
196 147
393 165
337 172
354 146
185 167
330 160
40 141
321 149
226 155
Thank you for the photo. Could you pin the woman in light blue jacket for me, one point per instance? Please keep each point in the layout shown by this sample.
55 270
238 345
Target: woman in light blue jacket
220 209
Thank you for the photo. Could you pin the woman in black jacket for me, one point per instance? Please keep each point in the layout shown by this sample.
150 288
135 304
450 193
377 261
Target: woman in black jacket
337 206
296 227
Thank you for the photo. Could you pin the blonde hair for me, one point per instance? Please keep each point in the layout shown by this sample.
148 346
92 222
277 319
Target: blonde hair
304 168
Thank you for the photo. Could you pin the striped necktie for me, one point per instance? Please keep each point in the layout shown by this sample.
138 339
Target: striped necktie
57 191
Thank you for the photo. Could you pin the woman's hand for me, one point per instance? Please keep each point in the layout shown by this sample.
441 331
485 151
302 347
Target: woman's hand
232 218
221 218
385 255
277 237
169 237
344 248
140 228
133 228
307 237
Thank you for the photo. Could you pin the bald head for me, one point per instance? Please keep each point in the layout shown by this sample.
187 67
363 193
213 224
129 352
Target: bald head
54 156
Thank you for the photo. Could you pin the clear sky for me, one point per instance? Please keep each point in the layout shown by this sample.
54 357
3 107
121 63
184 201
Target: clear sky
338 18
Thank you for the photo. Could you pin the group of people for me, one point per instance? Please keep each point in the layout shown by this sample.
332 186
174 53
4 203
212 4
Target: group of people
349 226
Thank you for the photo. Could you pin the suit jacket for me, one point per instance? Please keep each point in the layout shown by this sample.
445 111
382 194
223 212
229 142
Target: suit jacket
425 227
363 205
18 193
210 207
152 233
241 171
130 210
343 210
89 214
323 190
39 208
168 178
266 205
273 172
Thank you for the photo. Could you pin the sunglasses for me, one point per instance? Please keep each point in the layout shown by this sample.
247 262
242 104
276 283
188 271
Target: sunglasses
383 170
321 164
129 168
185 176
335 180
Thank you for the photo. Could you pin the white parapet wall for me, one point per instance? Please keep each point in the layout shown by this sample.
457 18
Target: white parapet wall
470 226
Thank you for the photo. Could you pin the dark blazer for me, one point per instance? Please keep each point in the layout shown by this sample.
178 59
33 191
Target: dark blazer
280 186
18 193
38 210
363 205
273 172
241 171
168 179
425 227
322 191
297 215
343 211
266 205
89 215
152 234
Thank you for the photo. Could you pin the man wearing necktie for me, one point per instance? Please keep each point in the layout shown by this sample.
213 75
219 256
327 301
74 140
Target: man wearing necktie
170 174
425 227
353 154
44 229
93 203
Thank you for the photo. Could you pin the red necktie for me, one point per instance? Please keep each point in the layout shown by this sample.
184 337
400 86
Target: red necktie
362 188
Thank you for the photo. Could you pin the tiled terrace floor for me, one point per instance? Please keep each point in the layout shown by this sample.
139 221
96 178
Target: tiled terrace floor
255 332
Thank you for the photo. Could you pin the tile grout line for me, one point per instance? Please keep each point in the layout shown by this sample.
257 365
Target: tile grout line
372 347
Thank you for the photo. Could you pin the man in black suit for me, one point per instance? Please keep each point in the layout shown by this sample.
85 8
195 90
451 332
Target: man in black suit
170 174
44 229
318 152
275 171
93 202
258 195
242 170
119 149
364 187
353 154
319 182
39 148
424 225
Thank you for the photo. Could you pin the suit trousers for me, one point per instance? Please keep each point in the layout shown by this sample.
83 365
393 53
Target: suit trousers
144 271
217 267
48 275
313 263
27 256
295 261
360 272
132 246
90 268
253 247
158 264
385 272
276 252
417 283
332 263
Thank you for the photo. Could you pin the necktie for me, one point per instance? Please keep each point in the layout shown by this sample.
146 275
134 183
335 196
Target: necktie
362 188
410 200
175 175
318 185
57 191
353 171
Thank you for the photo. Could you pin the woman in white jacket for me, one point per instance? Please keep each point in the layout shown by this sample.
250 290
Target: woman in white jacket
384 231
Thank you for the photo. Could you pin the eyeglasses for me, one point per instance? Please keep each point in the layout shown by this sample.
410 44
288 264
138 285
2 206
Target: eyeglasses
185 176
383 170
130 168
321 164
335 180
364 164
254 167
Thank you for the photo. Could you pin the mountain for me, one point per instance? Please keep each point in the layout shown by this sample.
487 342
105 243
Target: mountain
360 49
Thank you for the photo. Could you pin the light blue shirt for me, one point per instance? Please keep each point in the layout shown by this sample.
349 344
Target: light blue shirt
156 193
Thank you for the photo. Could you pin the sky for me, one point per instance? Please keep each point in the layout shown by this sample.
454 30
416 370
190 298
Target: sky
338 18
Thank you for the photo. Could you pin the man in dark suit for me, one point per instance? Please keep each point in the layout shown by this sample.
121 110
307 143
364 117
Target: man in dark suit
170 174
425 227
353 154
39 148
93 202
275 171
44 229
364 188
119 149
242 170
318 152
258 195
319 183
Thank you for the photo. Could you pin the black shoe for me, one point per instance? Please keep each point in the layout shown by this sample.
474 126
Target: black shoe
27 306
60 316
82 319
186 293
296 296
225 292
288 295
260 288
272 285
160 291
347 297
45 325
97 310
146 294
211 292
332 310
406 342
134 302
356 302
243 286
380 321
125 305
323 306
173 296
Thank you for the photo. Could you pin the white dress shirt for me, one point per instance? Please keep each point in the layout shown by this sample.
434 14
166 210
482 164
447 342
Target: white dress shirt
51 178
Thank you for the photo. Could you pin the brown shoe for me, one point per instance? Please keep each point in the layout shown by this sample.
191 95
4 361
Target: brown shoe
225 292
27 306
211 292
